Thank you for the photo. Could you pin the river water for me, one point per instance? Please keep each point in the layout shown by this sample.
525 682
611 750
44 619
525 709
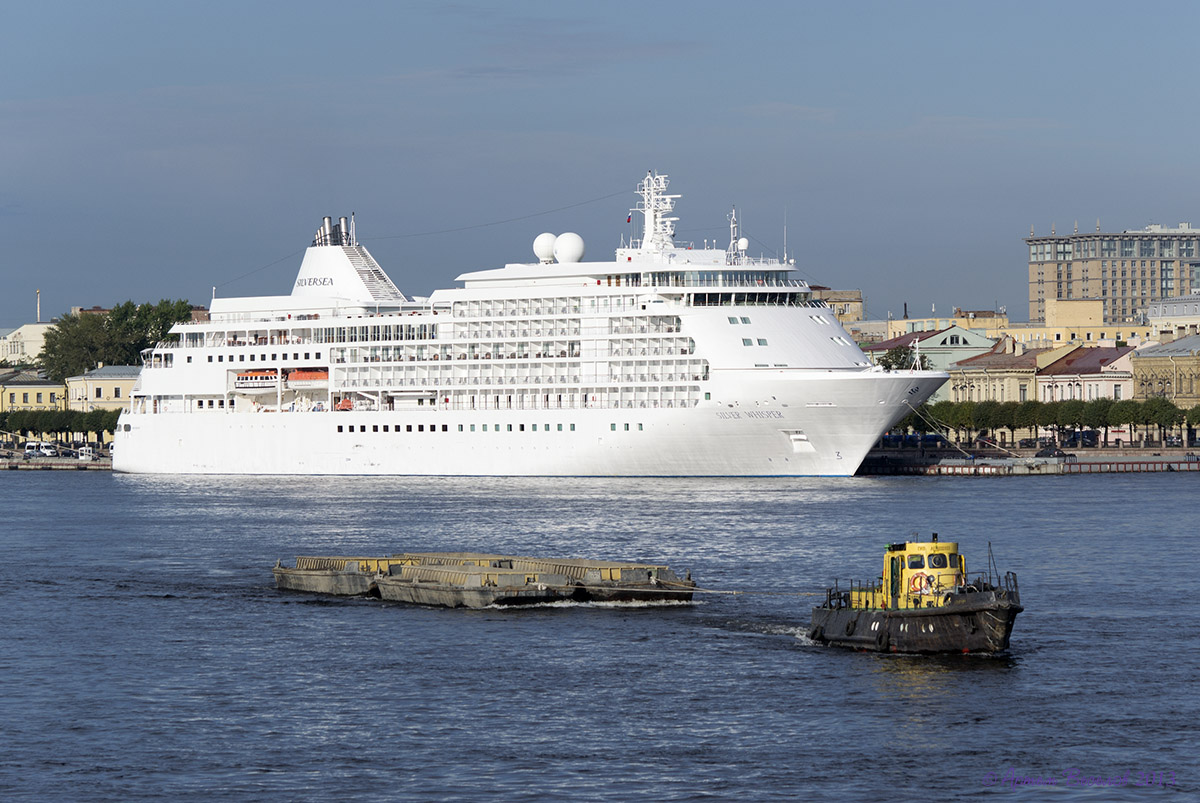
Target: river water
146 654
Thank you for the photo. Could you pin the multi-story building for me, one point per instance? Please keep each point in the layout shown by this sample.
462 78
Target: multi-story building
1085 374
21 346
107 387
847 305
941 348
1008 372
1175 317
1170 371
1127 271
26 390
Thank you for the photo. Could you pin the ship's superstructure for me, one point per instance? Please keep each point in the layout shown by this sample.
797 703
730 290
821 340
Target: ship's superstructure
669 360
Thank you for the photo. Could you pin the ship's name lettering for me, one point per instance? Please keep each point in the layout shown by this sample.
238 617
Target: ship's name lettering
319 281
751 414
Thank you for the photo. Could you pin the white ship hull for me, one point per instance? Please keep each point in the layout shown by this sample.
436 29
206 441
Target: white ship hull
751 435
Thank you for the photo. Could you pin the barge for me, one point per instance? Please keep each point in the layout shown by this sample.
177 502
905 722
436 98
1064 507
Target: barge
477 580
925 602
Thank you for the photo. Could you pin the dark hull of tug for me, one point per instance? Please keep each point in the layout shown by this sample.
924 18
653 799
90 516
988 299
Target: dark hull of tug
980 623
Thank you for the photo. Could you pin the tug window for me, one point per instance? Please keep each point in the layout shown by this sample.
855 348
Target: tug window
916 561
937 561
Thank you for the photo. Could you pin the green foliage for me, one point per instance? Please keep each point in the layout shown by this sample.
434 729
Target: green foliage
1193 416
77 343
1027 415
1095 413
1071 413
901 358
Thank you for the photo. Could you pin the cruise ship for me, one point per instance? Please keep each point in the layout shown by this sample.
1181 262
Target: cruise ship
669 360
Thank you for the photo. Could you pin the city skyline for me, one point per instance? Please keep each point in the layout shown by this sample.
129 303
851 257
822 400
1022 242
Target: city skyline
158 151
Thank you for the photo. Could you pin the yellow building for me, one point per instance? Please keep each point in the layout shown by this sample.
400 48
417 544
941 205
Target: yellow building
1170 371
1079 321
25 390
1008 372
847 305
105 388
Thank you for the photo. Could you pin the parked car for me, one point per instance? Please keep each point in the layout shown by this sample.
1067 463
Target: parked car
1052 451
1173 440
1027 443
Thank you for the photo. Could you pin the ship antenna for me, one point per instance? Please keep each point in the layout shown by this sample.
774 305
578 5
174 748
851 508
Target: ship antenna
353 238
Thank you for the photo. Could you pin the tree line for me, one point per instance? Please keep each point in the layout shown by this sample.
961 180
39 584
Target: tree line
968 417
78 343
62 424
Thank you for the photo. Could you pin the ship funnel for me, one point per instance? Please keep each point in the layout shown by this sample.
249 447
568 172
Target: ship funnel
327 227
345 227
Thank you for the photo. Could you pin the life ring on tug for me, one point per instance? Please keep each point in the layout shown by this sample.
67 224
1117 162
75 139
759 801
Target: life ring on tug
920 583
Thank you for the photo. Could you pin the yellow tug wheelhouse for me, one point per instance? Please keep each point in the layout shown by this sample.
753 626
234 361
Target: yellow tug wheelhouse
924 602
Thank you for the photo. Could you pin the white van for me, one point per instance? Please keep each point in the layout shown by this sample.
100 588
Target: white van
87 453
42 449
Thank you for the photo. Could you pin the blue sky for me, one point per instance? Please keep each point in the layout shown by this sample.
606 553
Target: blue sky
156 149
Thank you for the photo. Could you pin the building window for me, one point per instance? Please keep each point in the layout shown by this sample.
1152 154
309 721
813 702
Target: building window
24 398
98 393
39 398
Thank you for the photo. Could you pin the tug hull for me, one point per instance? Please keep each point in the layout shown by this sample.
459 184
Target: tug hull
972 622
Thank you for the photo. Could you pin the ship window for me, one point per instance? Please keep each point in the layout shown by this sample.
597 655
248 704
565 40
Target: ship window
199 402
626 427
460 427
762 341
708 397
937 561
747 341
732 319
473 427
916 561
374 427
385 427
534 427
560 427
273 356
241 358
339 427
745 320
189 359
572 427
306 355
318 355
251 358
612 427
420 427
220 358
445 427
485 427
408 428
285 355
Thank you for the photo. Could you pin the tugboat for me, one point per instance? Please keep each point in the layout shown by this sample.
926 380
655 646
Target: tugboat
924 603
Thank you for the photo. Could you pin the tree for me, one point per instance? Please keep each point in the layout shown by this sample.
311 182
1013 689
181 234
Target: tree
1070 413
902 358
1163 414
1125 413
1006 418
1095 415
1028 413
77 343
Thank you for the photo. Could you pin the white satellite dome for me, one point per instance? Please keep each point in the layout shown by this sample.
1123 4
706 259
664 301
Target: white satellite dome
543 247
743 244
568 247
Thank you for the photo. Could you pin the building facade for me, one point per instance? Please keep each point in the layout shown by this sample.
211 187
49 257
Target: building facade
1170 371
1175 317
1007 372
1088 373
21 346
105 388
26 390
941 348
1127 271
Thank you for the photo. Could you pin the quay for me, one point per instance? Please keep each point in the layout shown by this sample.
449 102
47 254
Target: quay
884 462
55 464
477 579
